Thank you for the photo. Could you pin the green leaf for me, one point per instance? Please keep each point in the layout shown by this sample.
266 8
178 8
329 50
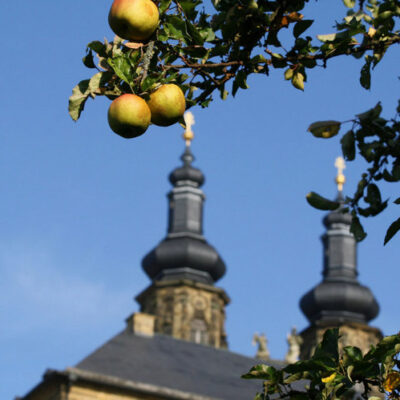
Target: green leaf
324 129
207 34
353 352
278 61
365 76
396 172
96 85
194 33
349 3
224 94
321 203
98 80
298 80
260 371
148 82
189 8
241 78
392 230
348 146
308 62
397 201
371 114
373 196
357 229
88 60
122 67
239 82
329 345
162 36
176 28
163 6
293 377
301 26
80 94
98 47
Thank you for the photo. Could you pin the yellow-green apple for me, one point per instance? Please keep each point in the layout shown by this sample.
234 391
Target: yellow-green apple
133 19
167 104
129 116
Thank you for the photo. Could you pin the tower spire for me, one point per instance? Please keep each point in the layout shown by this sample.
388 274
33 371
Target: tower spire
340 178
188 134
340 299
183 267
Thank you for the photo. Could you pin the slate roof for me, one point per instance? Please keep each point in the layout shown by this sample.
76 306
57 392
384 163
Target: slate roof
175 364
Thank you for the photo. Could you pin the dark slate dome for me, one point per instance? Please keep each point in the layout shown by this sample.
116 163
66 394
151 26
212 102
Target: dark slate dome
185 255
339 297
187 173
339 301
337 217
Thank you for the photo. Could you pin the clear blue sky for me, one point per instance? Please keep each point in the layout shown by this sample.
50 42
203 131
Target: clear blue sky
80 206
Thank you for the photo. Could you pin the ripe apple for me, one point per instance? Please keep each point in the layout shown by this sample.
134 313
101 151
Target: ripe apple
167 104
129 116
133 19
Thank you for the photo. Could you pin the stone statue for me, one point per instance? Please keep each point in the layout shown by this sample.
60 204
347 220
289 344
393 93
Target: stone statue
294 341
262 350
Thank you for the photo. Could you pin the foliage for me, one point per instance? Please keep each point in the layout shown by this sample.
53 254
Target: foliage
378 143
207 53
329 375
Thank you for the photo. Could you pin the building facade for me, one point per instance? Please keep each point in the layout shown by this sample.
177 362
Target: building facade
176 346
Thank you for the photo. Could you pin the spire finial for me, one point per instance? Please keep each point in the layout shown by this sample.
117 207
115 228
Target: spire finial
188 135
340 178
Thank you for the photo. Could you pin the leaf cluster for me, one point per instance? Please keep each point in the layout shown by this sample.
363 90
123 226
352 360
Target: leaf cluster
377 141
207 53
331 375
242 37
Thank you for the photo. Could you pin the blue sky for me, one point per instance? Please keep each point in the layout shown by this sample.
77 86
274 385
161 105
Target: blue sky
81 206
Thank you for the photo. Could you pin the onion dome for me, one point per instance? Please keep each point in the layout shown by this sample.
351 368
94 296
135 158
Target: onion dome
339 297
185 253
187 174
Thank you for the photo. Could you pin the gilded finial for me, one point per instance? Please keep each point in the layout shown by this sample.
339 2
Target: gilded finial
188 135
340 178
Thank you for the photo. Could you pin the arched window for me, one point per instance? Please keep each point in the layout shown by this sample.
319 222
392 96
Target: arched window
198 331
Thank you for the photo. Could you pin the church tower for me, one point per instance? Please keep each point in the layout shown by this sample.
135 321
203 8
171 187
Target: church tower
339 300
183 267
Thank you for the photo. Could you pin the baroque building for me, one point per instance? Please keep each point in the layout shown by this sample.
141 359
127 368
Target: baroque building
176 346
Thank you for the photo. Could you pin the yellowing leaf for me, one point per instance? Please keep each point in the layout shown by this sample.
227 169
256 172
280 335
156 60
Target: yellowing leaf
329 378
298 80
392 381
371 31
349 3
324 129
133 45
288 74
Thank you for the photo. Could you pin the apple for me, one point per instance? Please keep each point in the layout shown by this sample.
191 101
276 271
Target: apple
133 19
129 116
167 104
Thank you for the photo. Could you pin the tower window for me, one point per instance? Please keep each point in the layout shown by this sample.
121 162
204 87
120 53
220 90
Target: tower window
198 331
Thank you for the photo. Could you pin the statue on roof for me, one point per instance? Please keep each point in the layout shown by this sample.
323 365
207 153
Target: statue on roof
294 341
262 350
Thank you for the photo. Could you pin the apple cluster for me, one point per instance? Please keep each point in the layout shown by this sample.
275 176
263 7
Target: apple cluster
130 115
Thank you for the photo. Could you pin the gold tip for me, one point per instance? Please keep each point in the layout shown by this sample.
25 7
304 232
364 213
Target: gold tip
340 178
188 135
